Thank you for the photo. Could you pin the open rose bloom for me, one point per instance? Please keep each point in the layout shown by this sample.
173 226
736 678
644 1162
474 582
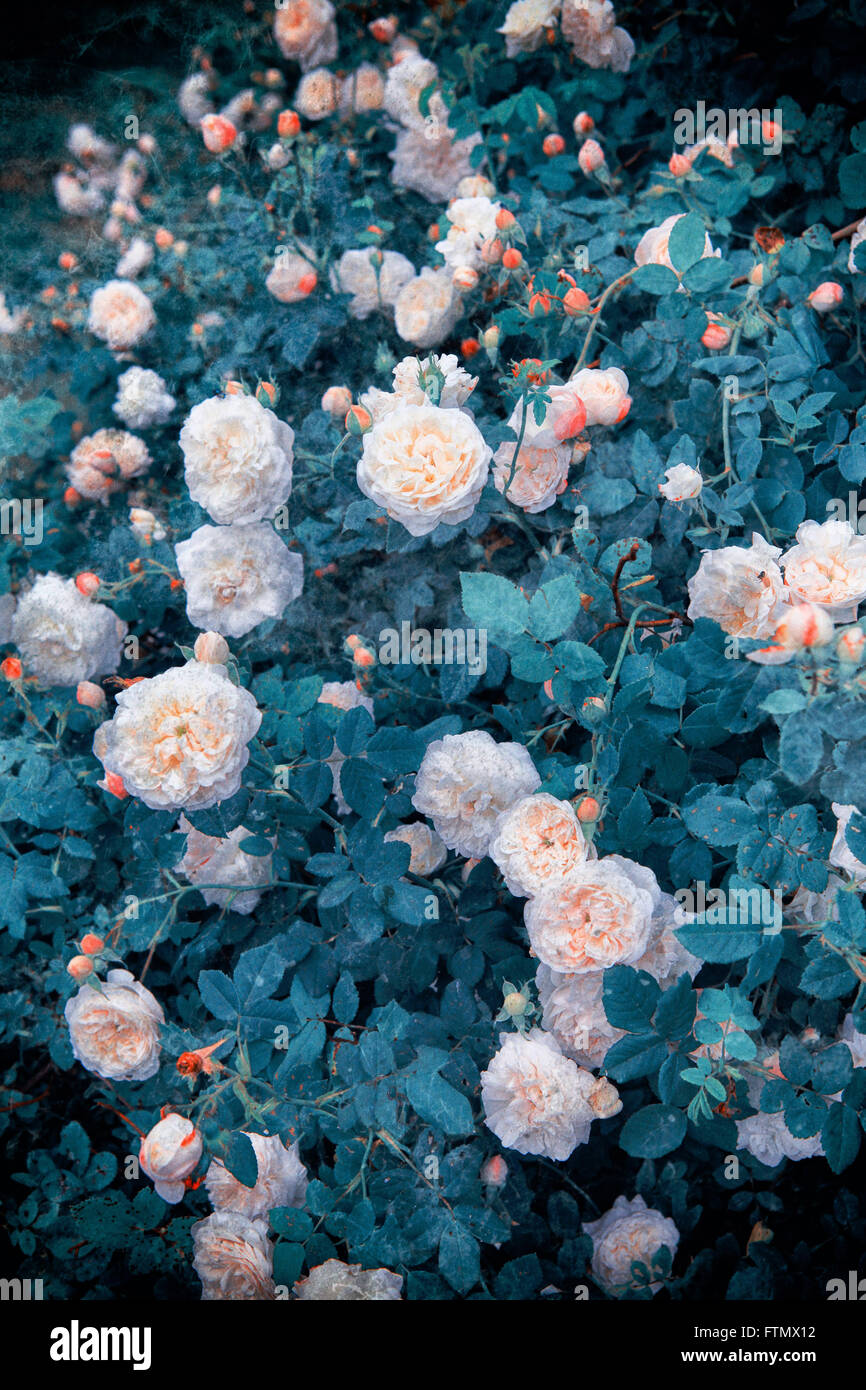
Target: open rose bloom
827 567
169 1153
114 1030
629 1233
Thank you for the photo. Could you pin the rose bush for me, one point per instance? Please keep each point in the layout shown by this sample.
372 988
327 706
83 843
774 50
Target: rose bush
339 962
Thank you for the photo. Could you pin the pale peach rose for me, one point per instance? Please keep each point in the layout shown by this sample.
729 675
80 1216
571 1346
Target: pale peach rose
573 1010
114 1030
604 392
527 23
427 308
404 85
101 463
428 853
424 465
63 636
591 29
120 314
767 1137
537 840
233 1258
363 90
804 626
237 459
601 915
291 278
682 483
537 1101
629 1233
827 566
169 1152
180 739
335 1281
211 648
740 588
465 781
374 280
318 94
472 223
281 1180
538 478
652 249
305 31
430 161
221 860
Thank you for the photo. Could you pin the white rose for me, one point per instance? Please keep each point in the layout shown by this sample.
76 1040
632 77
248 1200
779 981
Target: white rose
856 1041
536 1100
137 256
827 567
362 90
590 27
292 277
335 1281
427 308
343 695
236 576
64 637
683 483
281 1180
424 465
858 237
168 1154
665 957
526 25
573 1011
77 196
464 783
180 739
318 94
604 393
537 840
305 31
114 1031
120 314
652 249
473 221
371 287
428 853
740 588
601 915
404 83
411 375
840 855
210 859
233 1258
628 1233
429 161
193 98
237 458
539 476
142 399
101 463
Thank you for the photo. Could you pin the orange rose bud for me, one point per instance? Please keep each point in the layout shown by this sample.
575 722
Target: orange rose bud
87 583
189 1064
363 658
114 785
850 644
89 695
715 336
288 124
469 347
218 133
353 641
91 944
80 967
553 145
67 261
134 566
588 810
583 123
358 420
539 305
679 164
11 668
433 232
233 388
163 238
575 302
512 258
383 30
266 393
71 497
505 219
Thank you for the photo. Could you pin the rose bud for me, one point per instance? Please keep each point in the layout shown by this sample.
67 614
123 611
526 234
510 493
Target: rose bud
756 274
214 194
715 336
67 261
850 644
91 944
277 158
679 164
267 394
827 296
358 420
593 709
553 145
363 657
288 124
491 250
505 219
515 1004
90 695
147 144
590 156
337 401
113 784
805 625
512 258
588 811
490 338
575 302
87 583
211 649
583 123
80 967
494 1171
465 277
383 30
218 133
163 238
11 668
469 347
168 1154
604 1099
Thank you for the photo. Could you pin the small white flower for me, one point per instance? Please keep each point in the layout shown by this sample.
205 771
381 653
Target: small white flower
537 1101
64 637
404 83
114 1031
473 221
137 256
77 196
767 1137
628 1233
740 588
120 314
193 98
537 840
465 781
233 1258
180 739
683 483
281 1180
169 1152
428 853
318 94
236 576
237 458
292 276
142 399
371 286
209 859
336 1281
601 915
604 392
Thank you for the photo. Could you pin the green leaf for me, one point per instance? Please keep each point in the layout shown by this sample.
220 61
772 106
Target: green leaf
655 279
240 1159
687 241
654 1131
438 1104
459 1258
493 602
630 998
554 607
719 819
840 1136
